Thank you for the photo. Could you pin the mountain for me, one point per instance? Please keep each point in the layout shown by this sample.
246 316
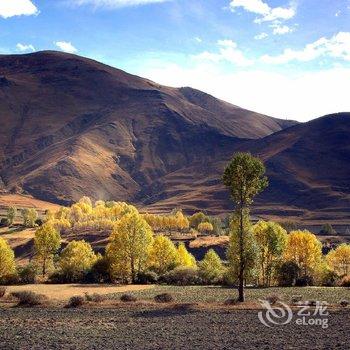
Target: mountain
309 170
71 126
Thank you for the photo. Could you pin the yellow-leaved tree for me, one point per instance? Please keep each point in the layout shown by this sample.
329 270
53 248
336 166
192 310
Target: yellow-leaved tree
76 259
7 261
211 269
47 241
305 250
205 227
339 259
185 258
163 255
272 240
129 247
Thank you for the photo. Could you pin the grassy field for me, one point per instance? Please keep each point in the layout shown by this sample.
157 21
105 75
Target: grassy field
186 294
217 294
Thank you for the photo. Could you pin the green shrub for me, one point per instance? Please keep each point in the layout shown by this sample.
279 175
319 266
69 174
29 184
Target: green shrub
95 297
304 281
182 276
287 274
128 298
4 222
147 277
27 274
296 299
164 298
76 301
28 298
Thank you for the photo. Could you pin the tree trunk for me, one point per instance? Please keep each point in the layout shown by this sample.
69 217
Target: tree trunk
44 267
241 257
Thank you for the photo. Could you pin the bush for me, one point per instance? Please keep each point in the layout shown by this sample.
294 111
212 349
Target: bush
2 291
287 274
39 222
344 303
273 298
4 222
164 298
304 281
95 297
147 277
99 272
296 299
128 298
182 276
27 274
345 281
76 301
28 298
329 279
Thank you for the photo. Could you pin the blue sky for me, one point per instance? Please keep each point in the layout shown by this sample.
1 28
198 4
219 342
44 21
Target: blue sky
289 59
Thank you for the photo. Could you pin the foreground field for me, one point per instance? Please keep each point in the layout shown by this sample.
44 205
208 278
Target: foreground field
162 328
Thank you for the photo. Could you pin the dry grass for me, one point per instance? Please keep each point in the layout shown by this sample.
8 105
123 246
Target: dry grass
22 201
208 241
62 292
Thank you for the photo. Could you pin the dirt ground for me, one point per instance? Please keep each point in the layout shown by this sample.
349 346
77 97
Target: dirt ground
63 292
176 328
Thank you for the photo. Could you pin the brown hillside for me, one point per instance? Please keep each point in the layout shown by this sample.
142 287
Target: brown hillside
72 126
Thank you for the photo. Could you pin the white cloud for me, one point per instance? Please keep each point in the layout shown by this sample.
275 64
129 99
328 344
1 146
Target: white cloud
115 3
25 47
279 29
336 47
66 46
198 39
228 52
10 8
265 12
261 36
302 97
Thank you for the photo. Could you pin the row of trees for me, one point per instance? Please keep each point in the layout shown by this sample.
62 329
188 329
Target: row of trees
270 255
29 216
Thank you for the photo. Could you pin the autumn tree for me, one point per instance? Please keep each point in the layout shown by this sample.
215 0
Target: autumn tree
76 259
242 260
163 255
197 218
7 261
339 259
129 246
185 258
305 250
47 241
29 217
272 240
211 269
11 215
244 177
205 227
